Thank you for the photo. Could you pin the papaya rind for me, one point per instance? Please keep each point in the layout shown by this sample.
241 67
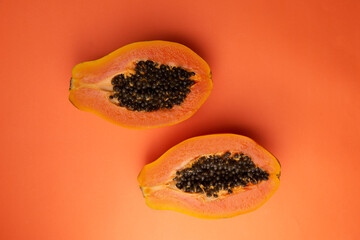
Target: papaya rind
152 176
86 75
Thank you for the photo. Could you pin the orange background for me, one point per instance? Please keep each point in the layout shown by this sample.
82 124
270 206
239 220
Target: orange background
286 73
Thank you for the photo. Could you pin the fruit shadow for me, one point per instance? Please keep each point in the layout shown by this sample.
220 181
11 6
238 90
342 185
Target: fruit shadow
172 137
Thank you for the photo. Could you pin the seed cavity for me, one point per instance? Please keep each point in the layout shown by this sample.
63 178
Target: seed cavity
152 87
218 174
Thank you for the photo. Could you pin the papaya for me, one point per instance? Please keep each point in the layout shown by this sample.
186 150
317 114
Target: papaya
142 85
211 176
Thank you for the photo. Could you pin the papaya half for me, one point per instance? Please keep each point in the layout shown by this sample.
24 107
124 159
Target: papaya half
143 84
212 176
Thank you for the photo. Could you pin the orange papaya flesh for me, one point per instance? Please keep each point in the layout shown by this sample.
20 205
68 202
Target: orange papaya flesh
244 177
143 85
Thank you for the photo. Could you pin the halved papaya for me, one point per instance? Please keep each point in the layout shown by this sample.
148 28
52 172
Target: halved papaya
212 176
143 84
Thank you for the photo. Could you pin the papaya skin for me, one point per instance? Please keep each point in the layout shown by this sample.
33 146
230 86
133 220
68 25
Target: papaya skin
90 84
155 179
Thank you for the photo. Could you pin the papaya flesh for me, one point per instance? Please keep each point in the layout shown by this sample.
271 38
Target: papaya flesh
143 84
212 176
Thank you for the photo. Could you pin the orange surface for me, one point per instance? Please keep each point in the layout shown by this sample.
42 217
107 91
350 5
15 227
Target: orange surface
286 73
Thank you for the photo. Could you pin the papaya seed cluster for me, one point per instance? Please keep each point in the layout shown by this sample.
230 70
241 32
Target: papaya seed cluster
152 87
211 174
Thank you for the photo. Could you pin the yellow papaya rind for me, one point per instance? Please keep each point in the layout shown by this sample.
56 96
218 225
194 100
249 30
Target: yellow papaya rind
91 83
154 178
